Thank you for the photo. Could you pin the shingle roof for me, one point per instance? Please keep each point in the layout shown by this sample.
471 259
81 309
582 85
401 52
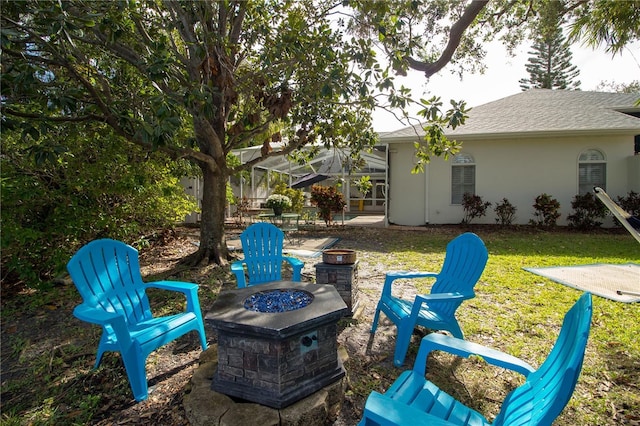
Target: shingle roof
546 111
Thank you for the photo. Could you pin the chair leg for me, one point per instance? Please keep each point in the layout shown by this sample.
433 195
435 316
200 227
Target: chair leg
203 337
199 323
98 358
455 330
134 364
402 343
101 349
376 317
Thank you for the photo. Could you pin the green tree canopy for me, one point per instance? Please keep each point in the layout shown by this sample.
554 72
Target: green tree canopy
426 35
75 184
614 24
191 79
196 79
611 86
550 66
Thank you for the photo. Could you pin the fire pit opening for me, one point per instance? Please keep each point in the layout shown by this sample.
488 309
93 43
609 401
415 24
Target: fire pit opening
279 300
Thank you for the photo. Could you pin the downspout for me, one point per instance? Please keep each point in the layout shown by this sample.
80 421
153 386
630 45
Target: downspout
386 185
426 194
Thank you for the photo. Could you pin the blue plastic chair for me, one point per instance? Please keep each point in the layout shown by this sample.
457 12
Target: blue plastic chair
413 400
107 275
262 247
464 262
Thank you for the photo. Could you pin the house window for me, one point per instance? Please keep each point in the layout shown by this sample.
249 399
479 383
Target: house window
592 171
463 177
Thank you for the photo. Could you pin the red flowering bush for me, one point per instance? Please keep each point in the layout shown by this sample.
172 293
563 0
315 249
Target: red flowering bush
328 200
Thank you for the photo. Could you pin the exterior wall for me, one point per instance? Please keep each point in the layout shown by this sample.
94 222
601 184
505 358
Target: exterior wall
516 169
406 197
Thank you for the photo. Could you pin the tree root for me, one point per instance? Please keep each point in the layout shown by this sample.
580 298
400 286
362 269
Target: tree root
204 257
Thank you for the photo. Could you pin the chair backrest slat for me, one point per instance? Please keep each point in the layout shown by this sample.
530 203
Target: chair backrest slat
262 247
107 275
548 390
465 259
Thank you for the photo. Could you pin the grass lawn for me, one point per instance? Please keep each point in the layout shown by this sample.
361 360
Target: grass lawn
521 313
47 354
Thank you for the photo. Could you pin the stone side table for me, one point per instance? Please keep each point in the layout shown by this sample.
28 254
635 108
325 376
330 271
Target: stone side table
344 277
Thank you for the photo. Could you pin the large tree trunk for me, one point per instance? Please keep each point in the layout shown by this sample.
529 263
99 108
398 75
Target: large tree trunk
213 245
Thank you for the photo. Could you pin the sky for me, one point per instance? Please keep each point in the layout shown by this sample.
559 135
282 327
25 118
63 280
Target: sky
501 78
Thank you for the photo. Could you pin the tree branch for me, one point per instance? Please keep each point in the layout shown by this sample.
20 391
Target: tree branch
32 58
455 35
58 119
184 27
286 150
247 136
238 20
121 50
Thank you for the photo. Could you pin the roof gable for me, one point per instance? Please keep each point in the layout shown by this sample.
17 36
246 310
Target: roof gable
546 111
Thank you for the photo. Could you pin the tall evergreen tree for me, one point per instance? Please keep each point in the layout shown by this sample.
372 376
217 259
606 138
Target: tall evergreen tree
550 66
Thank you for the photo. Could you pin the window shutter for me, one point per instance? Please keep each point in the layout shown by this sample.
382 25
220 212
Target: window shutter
462 180
591 175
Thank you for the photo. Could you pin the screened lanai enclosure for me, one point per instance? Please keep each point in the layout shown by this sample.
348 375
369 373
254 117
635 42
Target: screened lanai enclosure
329 167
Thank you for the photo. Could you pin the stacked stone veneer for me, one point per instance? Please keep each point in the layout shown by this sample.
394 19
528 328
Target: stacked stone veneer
277 372
276 359
344 278
205 407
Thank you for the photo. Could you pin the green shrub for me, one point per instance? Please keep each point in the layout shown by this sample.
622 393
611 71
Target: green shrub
295 195
587 210
97 187
473 207
506 212
546 211
630 203
363 185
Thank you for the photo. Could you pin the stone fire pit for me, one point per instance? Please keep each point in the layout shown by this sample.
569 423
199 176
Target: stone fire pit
277 342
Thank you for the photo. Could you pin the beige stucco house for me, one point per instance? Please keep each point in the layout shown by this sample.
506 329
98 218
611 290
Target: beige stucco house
541 141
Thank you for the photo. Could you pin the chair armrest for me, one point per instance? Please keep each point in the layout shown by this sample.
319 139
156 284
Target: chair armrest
103 318
293 261
439 297
238 269
464 348
394 275
190 291
386 411
296 265
96 316
182 287
434 300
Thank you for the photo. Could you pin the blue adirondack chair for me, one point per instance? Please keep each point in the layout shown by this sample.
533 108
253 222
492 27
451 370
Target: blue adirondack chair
263 260
413 400
464 262
107 275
